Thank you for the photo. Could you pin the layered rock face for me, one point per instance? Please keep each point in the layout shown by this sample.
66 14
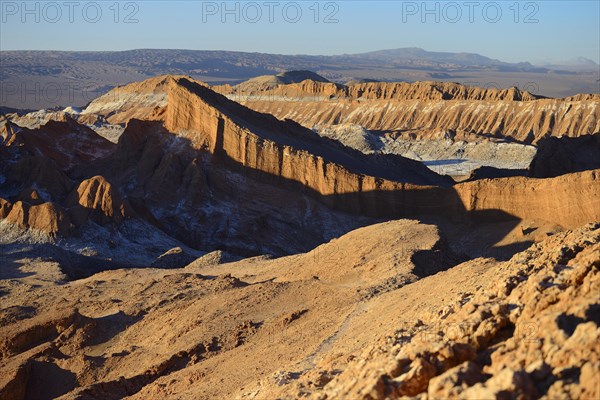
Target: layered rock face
297 156
257 141
374 91
423 109
569 200
434 91
170 166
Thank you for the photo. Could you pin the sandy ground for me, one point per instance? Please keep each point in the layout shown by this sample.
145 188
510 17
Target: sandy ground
256 328
215 331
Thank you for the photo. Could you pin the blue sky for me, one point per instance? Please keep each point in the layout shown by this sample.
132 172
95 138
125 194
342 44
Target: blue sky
507 30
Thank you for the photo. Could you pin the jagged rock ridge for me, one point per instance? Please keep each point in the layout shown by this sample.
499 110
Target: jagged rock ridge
423 109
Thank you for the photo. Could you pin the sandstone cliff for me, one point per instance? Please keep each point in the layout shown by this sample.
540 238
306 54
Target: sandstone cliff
171 165
296 156
569 200
257 141
425 108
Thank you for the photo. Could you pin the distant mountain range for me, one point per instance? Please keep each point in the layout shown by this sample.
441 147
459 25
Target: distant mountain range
98 72
242 65
414 56
576 64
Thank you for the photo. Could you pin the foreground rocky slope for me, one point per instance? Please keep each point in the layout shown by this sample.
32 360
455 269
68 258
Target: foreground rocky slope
295 327
532 333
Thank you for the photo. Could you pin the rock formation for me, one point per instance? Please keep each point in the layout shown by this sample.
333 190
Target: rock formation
424 108
211 251
174 169
96 198
45 217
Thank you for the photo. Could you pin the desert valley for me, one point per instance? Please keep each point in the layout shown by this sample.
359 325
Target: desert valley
292 237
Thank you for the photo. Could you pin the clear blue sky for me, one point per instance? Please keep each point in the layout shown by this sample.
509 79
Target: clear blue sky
539 31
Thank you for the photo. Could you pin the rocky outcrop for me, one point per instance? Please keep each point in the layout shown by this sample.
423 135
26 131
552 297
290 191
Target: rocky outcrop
425 108
533 333
97 199
213 258
569 200
47 218
174 258
5 207
8 131
66 142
